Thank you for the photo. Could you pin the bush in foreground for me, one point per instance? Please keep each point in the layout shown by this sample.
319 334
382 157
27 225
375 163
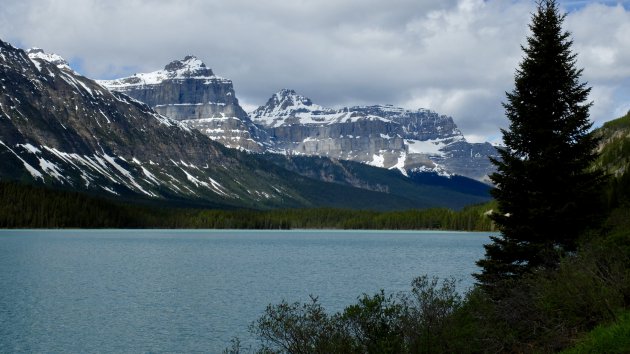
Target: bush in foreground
420 322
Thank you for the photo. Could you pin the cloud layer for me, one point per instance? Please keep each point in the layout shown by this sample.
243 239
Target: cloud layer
457 57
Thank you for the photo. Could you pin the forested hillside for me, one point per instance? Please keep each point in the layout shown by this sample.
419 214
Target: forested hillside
614 147
614 158
26 206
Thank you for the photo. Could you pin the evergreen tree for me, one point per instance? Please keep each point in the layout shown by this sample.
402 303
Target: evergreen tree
546 194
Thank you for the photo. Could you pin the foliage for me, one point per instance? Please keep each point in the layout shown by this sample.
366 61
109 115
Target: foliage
374 324
610 338
300 328
622 123
546 191
420 321
36 207
429 320
614 158
548 309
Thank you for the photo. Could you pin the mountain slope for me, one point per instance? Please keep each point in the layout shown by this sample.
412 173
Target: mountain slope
422 185
64 130
61 128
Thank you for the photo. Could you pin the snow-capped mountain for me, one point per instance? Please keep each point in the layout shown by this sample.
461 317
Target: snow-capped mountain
382 136
188 91
289 123
38 53
287 107
61 129
188 68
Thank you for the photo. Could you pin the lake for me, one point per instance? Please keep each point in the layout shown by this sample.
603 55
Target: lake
194 290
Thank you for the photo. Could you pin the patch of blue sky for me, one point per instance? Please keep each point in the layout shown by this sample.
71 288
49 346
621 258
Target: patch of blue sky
573 5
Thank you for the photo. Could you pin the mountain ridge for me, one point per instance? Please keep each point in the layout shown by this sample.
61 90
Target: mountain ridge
379 135
289 123
61 129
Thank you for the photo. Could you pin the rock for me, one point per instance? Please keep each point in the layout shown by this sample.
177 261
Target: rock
188 91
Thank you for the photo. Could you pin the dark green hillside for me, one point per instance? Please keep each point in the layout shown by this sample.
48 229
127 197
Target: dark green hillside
27 206
614 158
426 190
615 146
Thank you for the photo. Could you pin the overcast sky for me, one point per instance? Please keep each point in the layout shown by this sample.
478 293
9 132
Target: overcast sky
456 57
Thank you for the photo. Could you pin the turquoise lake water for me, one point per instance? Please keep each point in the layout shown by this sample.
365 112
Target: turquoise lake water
192 291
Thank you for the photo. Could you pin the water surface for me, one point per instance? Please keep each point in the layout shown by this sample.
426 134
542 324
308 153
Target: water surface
186 291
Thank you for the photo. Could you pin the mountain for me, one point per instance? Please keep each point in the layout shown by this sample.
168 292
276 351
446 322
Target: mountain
383 136
63 130
59 128
188 91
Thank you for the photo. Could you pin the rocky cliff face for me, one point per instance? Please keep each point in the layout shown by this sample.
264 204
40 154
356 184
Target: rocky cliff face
383 136
188 91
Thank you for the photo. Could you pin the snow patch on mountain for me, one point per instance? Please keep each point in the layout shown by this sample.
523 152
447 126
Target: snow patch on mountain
32 170
377 161
400 164
437 169
286 104
38 53
431 147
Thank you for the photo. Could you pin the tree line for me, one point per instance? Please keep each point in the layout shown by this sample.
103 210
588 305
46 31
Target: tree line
27 206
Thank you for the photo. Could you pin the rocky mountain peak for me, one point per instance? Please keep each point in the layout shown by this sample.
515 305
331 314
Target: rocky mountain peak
188 91
286 104
290 97
38 53
286 98
379 135
190 66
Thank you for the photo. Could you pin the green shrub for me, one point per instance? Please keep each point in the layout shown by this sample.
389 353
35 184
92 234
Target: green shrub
415 322
300 328
614 338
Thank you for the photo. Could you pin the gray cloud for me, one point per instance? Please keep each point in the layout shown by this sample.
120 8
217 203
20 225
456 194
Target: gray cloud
457 57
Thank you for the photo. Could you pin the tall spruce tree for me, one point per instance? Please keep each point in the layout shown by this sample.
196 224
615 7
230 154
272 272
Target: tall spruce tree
546 194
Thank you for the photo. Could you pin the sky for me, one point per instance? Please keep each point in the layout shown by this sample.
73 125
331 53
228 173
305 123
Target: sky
456 57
